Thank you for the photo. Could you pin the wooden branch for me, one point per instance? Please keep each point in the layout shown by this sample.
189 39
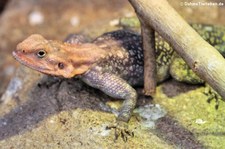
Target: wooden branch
199 55
148 36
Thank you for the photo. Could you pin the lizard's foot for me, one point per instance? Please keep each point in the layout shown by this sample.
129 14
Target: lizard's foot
121 130
212 95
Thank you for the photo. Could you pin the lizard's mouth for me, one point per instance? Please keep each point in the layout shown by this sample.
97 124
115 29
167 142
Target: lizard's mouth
29 62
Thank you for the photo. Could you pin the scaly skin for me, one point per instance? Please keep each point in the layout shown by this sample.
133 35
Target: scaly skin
112 63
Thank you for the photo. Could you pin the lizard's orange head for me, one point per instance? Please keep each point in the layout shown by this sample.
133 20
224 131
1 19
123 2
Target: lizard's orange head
46 56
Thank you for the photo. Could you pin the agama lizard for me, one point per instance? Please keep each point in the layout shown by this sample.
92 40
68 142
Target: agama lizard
112 63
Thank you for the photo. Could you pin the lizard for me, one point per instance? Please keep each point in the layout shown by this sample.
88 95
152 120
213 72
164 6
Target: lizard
112 63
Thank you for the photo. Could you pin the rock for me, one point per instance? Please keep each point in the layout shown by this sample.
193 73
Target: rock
39 111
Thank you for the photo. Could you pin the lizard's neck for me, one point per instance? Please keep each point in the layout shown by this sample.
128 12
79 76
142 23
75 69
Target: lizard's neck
83 56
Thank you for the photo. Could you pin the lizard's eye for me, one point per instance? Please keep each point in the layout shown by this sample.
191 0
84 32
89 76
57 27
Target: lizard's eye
60 65
41 53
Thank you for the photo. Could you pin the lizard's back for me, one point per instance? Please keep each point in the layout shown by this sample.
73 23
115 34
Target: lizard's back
124 55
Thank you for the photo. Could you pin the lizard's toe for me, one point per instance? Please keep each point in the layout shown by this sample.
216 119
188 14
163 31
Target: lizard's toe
121 130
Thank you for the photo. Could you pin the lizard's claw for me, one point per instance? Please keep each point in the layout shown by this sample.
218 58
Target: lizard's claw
212 95
121 130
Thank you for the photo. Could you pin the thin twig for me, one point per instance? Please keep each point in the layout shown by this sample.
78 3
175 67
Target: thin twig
148 36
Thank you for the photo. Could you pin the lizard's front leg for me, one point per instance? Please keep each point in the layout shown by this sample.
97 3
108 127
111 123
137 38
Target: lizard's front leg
115 87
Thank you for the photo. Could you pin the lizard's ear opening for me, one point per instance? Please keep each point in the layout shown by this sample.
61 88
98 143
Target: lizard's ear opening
41 53
60 65
65 70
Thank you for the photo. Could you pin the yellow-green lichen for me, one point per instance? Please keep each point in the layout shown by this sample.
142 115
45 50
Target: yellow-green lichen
190 107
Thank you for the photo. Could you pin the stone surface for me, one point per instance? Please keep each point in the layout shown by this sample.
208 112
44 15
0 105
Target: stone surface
41 111
37 111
